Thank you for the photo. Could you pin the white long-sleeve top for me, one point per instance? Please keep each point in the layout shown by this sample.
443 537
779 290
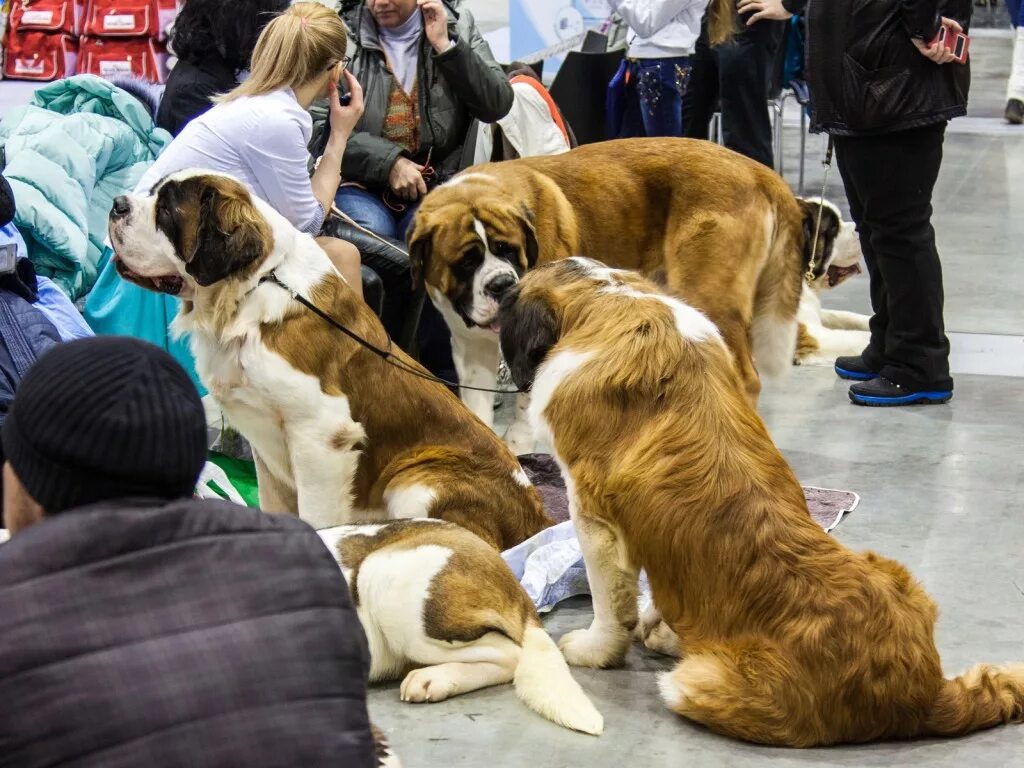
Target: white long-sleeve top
663 28
261 141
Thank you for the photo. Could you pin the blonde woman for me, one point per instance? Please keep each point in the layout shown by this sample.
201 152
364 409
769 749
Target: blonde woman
258 133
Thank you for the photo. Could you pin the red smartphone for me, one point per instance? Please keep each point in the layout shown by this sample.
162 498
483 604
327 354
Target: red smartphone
956 42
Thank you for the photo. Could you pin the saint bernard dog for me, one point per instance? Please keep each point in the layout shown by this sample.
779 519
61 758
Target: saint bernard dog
717 229
825 334
339 434
441 608
786 636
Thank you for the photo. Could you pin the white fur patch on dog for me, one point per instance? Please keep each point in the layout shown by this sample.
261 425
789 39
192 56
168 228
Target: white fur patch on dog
409 501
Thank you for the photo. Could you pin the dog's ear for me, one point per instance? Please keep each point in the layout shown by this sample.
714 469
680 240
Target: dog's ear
231 234
529 329
420 239
530 247
828 231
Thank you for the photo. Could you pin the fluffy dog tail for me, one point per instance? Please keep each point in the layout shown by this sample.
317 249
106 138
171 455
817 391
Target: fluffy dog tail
982 697
542 680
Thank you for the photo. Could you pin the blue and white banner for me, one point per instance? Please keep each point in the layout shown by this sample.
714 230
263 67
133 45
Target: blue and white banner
548 29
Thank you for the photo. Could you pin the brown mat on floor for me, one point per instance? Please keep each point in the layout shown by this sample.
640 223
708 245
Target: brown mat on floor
828 507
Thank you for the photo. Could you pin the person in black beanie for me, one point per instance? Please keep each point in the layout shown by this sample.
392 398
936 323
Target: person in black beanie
142 626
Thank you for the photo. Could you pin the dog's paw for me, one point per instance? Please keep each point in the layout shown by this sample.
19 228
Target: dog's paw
661 639
589 648
429 684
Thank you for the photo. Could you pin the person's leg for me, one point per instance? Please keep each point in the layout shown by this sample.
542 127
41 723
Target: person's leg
895 175
660 85
346 260
701 92
632 120
1015 83
744 67
368 210
873 356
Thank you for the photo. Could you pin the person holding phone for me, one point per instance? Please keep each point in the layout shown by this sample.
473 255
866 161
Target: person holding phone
884 86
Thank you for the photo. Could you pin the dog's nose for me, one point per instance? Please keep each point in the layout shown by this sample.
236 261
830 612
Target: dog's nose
498 286
121 207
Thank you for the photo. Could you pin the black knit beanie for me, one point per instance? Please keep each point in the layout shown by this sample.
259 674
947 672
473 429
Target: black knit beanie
105 418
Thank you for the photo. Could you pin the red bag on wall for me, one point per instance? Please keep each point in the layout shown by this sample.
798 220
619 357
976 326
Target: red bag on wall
122 18
62 16
136 57
39 56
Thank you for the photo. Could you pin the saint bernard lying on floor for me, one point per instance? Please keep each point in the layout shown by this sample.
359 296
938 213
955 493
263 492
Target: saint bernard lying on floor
786 636
825 334
719 230
339 434
433 596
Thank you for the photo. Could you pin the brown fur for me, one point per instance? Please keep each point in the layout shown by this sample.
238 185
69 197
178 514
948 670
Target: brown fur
787 637
725 232
417 431
475 593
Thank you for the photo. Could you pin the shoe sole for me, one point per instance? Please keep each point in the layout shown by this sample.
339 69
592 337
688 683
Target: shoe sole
918 398
849 375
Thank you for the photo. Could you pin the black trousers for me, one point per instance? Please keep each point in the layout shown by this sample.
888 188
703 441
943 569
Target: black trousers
737 75
889 181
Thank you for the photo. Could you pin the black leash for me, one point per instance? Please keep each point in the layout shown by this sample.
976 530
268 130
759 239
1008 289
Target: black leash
385 355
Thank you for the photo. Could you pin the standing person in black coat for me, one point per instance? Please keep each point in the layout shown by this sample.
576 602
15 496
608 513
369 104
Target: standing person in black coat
142 627
885 93
213 41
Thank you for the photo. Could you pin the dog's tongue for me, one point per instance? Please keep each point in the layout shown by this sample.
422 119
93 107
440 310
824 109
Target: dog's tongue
495 326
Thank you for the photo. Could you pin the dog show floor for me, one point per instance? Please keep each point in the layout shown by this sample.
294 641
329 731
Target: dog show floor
940 491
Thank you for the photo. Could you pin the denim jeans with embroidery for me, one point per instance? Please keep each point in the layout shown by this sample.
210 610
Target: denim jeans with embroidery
654 97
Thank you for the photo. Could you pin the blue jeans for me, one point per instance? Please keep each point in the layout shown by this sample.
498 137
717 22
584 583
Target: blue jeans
654 97
370 211
1016 9
434 339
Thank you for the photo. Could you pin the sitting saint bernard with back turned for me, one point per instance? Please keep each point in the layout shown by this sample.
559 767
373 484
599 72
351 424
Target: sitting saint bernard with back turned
719 230
786 636
338 433
442 609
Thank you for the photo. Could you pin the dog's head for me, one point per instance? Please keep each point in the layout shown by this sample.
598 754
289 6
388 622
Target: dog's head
471 254
534 313
191 231
837 251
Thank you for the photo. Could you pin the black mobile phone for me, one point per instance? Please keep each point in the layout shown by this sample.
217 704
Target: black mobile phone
345 99
8 258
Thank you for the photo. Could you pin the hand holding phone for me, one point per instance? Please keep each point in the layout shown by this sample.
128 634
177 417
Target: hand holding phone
950 44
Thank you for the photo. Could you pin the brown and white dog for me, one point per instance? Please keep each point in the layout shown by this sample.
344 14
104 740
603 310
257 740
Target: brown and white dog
717 229
786 636
825 334
339 434
441 608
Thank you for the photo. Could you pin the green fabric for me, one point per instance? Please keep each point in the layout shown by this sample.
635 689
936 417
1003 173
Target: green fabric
242 475
81 143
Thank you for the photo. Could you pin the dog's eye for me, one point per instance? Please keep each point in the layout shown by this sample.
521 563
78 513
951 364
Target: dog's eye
504 250
464 268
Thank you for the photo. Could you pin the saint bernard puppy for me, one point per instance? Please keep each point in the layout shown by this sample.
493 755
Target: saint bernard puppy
786 636
717 229
441 608
825 334
339 433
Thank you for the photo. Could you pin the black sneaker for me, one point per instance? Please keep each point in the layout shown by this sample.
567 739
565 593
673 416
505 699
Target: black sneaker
1014 113
854 369
881 392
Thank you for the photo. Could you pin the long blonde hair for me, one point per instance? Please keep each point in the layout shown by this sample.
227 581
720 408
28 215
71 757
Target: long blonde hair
294 49
721 21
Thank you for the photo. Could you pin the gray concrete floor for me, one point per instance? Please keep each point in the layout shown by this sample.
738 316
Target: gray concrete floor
940 492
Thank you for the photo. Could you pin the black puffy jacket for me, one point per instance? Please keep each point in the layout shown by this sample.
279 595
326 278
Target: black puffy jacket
866 76
188 633
190 88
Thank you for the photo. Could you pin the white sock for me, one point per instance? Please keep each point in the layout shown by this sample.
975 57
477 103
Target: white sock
1015 86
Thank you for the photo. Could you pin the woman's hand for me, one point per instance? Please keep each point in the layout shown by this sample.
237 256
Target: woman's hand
344 118
435 24
937 51
763 9
406 179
